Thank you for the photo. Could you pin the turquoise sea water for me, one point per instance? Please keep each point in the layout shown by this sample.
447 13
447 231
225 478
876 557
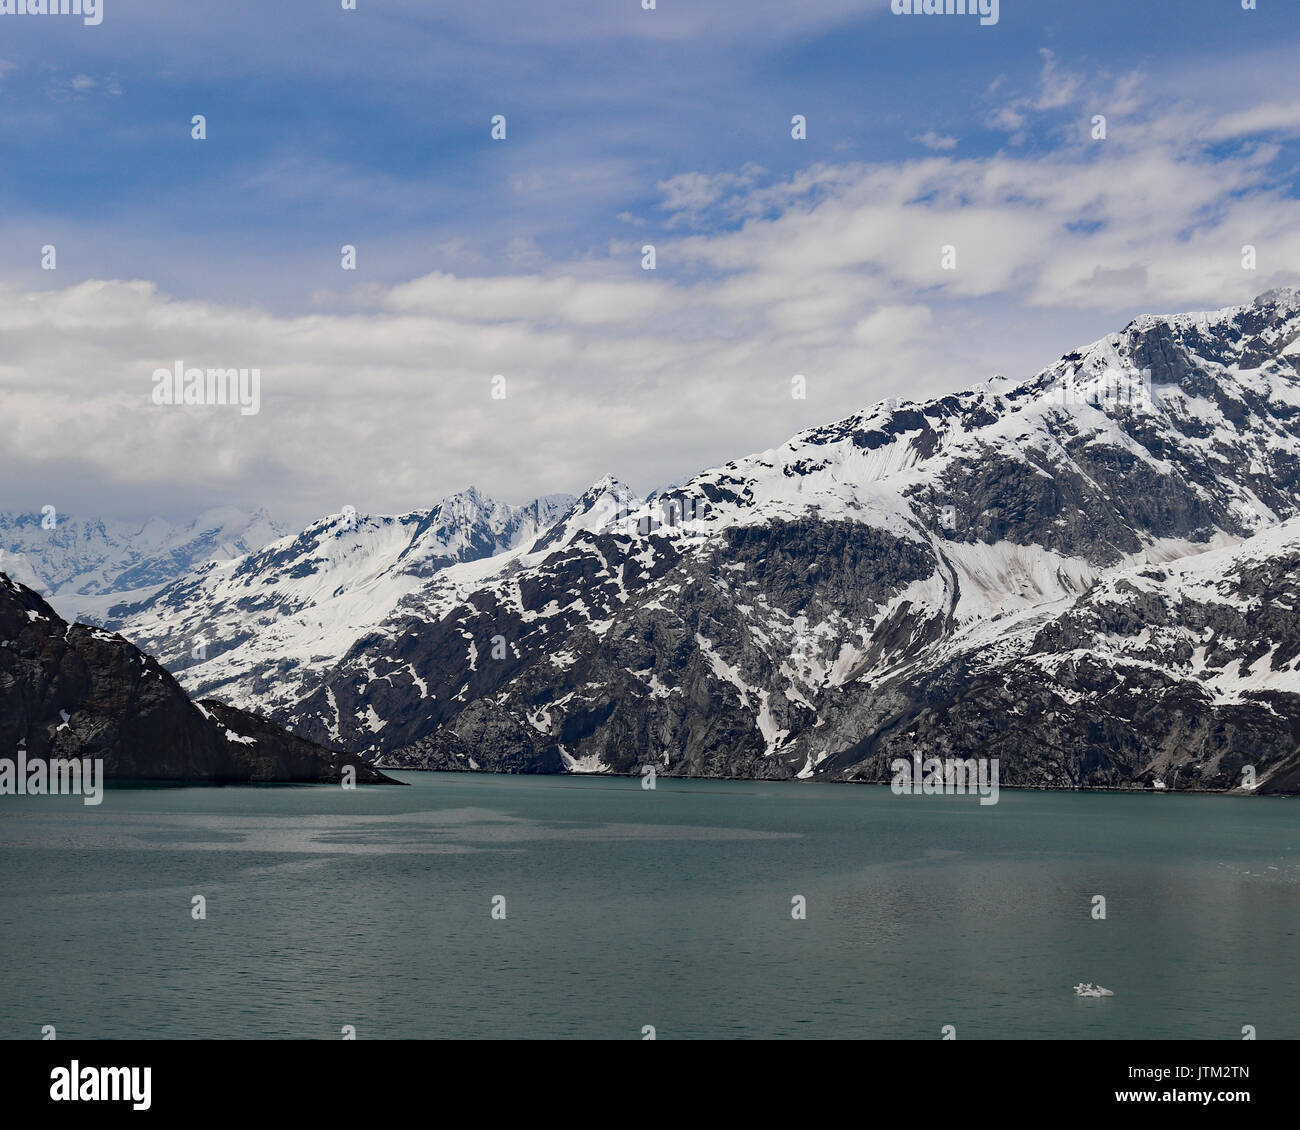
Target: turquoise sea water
626 907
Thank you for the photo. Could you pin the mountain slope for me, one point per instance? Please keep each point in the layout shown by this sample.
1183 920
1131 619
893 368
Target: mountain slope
1185 673
717 628
74 691
255 629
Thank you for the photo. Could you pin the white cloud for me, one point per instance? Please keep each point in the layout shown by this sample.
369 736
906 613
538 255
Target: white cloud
382 397
936 141
1273 117
1059 88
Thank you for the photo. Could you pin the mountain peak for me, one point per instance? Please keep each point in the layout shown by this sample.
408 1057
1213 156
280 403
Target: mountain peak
606 483
1287 296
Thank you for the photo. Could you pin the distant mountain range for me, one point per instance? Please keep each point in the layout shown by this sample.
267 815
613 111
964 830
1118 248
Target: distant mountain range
1089 575
83 565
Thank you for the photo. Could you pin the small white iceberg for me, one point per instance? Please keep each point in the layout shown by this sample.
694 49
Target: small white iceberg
1091 990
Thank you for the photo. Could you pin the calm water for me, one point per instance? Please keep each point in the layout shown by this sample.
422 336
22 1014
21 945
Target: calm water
627 907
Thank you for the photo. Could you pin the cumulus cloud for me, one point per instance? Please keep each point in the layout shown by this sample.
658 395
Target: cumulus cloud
382 397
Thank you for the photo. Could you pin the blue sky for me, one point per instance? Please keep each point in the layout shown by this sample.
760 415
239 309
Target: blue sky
625 126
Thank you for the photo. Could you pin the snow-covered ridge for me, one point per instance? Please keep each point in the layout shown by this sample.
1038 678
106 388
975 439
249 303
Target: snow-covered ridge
1222 400
301 601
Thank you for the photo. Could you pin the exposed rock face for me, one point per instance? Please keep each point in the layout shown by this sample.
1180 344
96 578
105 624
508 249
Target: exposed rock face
1184 673
73 691
974 575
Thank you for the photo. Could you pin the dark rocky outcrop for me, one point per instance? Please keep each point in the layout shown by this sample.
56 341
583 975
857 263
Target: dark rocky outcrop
74 691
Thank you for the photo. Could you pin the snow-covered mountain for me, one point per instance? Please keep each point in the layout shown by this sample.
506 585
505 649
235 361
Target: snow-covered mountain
260 628
83 565
1084 574
803 610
